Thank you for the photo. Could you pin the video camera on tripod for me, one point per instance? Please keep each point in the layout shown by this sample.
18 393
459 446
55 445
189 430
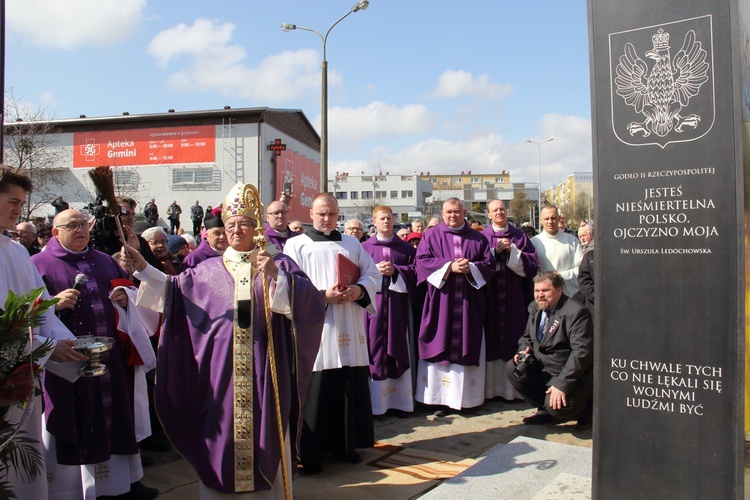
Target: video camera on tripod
103 233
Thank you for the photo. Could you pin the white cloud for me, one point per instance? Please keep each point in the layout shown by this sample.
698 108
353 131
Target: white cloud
201 40
570 151
375 121
489 152
213 64
454 83
71 24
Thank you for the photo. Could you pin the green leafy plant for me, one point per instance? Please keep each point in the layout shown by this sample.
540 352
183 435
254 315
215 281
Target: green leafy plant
18 373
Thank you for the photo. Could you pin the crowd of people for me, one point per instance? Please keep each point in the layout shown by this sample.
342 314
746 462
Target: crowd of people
266 348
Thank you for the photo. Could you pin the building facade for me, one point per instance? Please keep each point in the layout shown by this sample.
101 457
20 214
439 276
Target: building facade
407 195
179 156
574 196
477 190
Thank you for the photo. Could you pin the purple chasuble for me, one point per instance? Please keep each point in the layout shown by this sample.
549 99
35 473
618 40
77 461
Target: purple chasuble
388 331
279 239
453 316
92 418
201 253
508 295
195 383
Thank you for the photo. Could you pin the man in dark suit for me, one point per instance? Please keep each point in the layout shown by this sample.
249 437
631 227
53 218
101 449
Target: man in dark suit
560 336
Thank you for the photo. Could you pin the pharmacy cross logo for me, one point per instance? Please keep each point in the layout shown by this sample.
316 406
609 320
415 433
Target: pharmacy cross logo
669 96
90 150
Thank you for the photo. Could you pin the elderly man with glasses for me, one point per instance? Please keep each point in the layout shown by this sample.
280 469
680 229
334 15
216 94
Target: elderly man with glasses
27 237
226 408
355 228
95 423
277 224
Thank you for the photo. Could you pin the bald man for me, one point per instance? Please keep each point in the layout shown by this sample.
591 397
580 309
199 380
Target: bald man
277 224
95 423
338 411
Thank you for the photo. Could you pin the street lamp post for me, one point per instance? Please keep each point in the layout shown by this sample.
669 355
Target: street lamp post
360 5
539 146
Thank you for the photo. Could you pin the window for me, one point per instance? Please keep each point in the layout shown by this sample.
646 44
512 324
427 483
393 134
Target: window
456 180
394 194
125 178
192 175
380 194
366 195
354 195
407 194
498 179
341 195
474 180
183 178
433 180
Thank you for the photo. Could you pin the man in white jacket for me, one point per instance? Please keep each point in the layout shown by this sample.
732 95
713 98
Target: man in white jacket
557 250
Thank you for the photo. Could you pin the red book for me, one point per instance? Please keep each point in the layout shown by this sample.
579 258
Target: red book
348 271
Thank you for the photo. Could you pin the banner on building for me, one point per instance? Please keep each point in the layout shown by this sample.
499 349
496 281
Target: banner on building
299 177
137 147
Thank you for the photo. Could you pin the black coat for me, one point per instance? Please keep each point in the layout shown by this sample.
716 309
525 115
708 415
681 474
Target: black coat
566 351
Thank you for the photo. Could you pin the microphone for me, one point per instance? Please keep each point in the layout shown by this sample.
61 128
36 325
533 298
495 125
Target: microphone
78 285
81 280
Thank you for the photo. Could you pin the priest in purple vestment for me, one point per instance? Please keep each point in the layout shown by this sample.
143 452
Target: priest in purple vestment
509 293
213 245
455 262
18 274
388 332
91 421
217 388
277 224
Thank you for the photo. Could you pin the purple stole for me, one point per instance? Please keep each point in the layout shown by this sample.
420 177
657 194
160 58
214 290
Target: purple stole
388 332
509 294
453 316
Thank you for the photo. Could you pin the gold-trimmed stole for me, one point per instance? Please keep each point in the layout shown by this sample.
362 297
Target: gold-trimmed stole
244 273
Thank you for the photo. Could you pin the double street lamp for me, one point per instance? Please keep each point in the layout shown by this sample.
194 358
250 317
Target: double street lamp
539 146
360 5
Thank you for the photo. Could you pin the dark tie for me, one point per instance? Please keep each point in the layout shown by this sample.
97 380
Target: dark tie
543 324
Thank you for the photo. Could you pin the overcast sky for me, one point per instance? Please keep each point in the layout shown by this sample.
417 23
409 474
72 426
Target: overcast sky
440 86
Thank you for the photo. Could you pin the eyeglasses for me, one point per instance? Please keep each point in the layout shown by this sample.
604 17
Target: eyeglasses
278 213
244 225
355 229
156 243
74 226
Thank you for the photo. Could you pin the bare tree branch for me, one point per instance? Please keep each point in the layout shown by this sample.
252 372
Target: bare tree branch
32 145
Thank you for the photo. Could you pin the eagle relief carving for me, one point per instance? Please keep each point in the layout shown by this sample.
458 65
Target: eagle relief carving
661 95
660 91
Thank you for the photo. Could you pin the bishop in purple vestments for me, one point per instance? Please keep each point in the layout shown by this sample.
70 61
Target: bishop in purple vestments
214 391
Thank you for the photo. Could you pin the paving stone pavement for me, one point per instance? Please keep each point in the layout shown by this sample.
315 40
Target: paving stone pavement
472 434
466 434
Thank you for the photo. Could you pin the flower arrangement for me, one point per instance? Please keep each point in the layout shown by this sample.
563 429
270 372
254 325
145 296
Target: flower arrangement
18 374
